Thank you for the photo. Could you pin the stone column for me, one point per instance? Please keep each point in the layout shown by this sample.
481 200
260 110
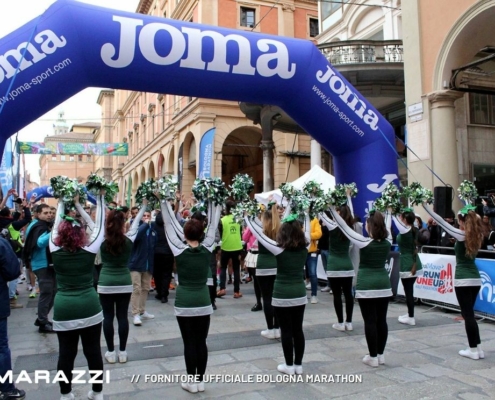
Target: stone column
443 137
315 153
267 145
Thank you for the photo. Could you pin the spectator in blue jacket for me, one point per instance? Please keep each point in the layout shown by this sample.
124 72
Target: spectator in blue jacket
141 267
9 270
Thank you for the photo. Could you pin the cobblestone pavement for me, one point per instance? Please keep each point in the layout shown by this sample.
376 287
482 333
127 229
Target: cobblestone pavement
422 361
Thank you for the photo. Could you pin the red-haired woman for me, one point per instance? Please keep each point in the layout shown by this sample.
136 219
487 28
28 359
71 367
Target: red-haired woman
467 280
77 309
373 289
289 293
114 284
192 300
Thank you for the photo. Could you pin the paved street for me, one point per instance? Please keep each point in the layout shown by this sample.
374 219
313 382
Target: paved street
421 361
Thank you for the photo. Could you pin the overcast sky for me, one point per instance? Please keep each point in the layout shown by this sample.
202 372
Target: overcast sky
79 108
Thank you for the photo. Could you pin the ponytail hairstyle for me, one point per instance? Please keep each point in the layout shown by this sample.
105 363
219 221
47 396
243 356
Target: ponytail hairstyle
345 213
474 233
375 225
114 232
410 218
271 222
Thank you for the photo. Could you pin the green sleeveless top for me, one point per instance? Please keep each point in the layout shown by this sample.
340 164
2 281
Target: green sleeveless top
466 272
407 247
266 263
76 303
115 276
372 279
289 289
339 262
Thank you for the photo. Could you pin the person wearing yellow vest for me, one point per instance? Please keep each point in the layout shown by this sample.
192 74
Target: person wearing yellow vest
312 260
230 232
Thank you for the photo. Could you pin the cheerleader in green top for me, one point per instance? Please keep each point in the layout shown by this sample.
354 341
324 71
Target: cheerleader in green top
373 289
192 301
289 292
340 271
77 310
467 280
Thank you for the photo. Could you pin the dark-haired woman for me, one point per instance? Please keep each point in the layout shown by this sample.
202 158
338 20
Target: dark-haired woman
410 264
115 284
289 292
467 280
77 309
340 270
192 301
373 289
163 266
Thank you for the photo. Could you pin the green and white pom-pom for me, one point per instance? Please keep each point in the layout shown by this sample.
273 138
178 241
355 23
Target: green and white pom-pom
64 188
242 185
167 187
299 202
287 190
312 189
250 207
199 206
352 188
147 191
417 194
390 198
210 189
338 196
319 205
467 192
95 183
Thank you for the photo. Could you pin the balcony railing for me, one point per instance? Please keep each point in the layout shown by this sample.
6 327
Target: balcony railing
363 51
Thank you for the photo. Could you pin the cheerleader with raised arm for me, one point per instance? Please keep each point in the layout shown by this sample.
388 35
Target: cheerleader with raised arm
289 292
410 264
340 270
467 280
373 289
192 302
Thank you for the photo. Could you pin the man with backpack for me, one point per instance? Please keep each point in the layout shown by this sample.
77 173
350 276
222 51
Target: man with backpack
10 230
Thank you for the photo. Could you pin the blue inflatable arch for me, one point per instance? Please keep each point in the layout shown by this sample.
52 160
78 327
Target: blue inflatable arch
74 45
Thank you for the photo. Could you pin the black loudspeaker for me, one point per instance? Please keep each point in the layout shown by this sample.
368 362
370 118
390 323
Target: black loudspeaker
443 200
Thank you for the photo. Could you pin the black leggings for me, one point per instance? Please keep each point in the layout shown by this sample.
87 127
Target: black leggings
266 285
291 330
374 312
466 296
67 349
339 286
194 331
115 304
257 289
408 284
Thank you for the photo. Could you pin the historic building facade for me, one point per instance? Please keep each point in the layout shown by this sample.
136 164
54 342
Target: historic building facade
164 131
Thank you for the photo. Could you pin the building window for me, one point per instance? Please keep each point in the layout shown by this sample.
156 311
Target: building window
71 158
62 158
248 17
329 7
314 30
88 157
79 158
54 157
482 108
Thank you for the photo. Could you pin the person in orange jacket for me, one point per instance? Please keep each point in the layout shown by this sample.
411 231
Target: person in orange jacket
312 260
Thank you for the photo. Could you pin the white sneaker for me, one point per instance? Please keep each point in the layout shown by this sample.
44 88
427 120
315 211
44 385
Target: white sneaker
407 320
298 369
481 353
95 395
381 359
122 357
308 286
286 369
147 315
474 355
371 361
136 320
314 300
268 333
339 327
190 387
325 289
201 386
348 326
276 331
68 396
111 357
